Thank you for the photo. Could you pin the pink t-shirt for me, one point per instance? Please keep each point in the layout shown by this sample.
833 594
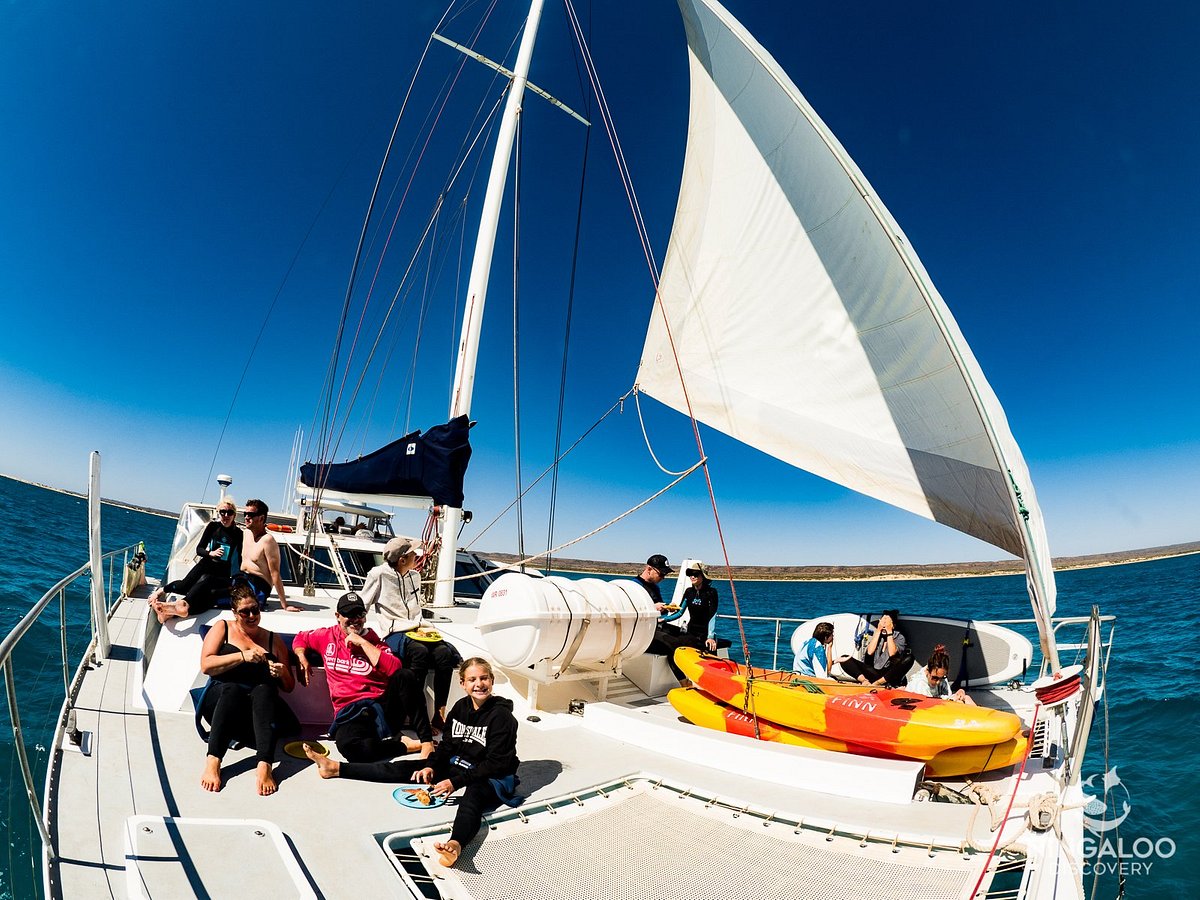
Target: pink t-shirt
349 673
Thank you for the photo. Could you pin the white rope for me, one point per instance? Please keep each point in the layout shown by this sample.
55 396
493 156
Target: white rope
646 436
583 537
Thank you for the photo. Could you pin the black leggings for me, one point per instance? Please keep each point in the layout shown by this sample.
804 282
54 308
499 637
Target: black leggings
478 798
892 674
203 586
358 739
420 657
234 709
668 640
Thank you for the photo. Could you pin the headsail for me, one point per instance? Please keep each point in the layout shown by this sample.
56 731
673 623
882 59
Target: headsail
807 327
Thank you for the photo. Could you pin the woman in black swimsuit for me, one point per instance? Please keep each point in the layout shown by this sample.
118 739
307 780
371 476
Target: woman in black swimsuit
247 667
219 550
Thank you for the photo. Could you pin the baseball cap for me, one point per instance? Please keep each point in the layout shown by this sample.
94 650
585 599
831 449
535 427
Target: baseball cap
658 561
351 605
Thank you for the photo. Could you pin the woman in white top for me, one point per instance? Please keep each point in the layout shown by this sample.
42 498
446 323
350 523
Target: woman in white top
393 591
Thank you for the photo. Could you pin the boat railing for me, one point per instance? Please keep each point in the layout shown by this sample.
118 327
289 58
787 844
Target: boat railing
112 574
1082 646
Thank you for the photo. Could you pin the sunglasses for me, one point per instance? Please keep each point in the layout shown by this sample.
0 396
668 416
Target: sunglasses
248 612
357 617
934 679
253 515
226 512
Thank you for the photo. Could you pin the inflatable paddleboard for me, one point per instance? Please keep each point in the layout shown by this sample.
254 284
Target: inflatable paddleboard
890 720
702 710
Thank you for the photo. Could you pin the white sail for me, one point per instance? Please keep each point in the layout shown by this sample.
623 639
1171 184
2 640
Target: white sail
804 323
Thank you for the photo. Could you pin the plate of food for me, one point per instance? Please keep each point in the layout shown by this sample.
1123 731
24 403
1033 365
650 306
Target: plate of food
417 796
671 607
430 637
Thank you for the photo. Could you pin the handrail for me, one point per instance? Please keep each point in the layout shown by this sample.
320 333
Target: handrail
9 644
1104 643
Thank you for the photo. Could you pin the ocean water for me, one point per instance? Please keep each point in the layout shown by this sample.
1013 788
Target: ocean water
1143 739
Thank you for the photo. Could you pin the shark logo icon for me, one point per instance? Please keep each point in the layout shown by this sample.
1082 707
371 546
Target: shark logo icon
1100 814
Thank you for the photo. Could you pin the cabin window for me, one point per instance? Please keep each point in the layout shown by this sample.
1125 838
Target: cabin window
292 566
358 563
471 588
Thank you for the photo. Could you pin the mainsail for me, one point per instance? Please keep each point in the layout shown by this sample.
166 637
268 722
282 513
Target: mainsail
805 325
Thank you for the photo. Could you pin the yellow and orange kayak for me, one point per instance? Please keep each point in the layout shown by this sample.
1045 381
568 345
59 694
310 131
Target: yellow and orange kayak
893 721
702 710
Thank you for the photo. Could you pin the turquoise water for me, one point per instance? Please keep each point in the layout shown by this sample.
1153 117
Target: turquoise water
1151 721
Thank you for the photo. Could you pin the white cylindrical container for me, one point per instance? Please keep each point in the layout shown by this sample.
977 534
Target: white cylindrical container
526 620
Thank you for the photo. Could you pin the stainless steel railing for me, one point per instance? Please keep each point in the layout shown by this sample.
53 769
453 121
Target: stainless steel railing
1098 644
70 686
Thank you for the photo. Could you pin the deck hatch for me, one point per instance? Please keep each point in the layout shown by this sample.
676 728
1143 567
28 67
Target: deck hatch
182 857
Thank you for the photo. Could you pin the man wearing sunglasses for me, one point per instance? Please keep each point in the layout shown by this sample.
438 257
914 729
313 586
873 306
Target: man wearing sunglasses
260 556
369 689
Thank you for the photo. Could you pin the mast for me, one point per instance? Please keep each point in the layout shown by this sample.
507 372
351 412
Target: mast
481 264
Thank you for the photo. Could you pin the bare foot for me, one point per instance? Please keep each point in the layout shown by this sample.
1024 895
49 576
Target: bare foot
160 612
326 767
448 852
156 597
265 779
211 779
171 610
411 745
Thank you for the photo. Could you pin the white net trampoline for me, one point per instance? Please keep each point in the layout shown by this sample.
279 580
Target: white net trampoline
640 839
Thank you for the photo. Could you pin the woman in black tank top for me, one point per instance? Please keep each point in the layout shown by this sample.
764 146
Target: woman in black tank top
247 667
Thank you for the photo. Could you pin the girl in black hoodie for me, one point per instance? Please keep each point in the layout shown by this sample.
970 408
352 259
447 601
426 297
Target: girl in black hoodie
478 752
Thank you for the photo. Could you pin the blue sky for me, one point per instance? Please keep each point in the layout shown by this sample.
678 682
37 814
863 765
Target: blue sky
162 165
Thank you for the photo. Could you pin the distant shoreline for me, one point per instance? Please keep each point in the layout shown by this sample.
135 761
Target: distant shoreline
120 504
908 572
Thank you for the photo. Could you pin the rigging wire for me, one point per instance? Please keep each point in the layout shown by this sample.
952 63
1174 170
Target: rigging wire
640 226
329 409
562 378
558 459
599 528
263 327
331 443
326 447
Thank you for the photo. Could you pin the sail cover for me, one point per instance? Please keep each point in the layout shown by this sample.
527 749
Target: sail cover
805 325
432 464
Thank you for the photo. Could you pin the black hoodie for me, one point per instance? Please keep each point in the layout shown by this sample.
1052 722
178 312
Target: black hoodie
477 744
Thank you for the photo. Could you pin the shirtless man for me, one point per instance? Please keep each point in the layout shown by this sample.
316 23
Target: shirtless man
260 554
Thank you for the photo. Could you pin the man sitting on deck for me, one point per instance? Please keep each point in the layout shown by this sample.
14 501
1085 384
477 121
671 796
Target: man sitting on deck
656 569
370 691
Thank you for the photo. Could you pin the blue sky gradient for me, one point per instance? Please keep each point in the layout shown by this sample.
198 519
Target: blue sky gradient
167 172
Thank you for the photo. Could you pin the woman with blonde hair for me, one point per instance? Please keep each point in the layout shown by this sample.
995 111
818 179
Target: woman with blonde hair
219 550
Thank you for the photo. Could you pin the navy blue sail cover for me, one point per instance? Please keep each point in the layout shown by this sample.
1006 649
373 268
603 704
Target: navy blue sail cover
432 464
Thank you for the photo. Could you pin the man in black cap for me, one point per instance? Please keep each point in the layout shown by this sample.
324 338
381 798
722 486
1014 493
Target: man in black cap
655 570
370 691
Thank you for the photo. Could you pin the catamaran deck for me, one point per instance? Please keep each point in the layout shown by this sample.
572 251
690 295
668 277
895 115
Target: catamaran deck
145 805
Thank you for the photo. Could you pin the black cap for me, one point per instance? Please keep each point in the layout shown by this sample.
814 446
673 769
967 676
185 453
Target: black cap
351 605
658 561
